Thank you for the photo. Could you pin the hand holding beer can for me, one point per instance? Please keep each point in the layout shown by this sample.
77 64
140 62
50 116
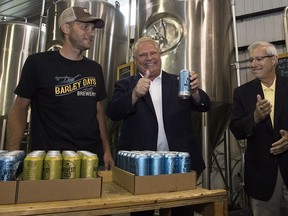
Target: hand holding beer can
184 84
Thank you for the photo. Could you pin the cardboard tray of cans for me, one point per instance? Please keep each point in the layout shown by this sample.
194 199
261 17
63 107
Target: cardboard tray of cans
57 190
153 183
32 189
29 188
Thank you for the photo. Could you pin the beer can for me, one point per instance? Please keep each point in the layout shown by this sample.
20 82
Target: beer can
132 162
163 152
184 84
52 166
141 164
128 161
156 164
184 162
170 163
119 158
71 165
33 165
124 161
89 164
149 152
11 165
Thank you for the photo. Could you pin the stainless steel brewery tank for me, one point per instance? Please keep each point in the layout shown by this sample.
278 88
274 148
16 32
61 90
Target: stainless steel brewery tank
196 35
17 41
110 47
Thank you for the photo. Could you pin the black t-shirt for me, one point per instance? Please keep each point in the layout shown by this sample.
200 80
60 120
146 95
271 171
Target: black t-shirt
63 96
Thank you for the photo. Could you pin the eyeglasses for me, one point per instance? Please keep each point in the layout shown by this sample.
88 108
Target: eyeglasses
259 58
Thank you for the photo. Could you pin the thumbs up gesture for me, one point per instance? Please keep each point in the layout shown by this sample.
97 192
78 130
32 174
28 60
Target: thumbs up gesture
142 86
147 74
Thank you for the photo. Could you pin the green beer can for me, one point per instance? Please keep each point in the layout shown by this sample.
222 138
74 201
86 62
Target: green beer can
89 164
33 165
71 165
52 166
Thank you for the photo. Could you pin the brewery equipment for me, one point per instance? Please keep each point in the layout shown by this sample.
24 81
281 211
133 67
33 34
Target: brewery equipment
17 42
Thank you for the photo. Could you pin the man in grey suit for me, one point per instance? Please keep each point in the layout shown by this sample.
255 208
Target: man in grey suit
154 117
260 115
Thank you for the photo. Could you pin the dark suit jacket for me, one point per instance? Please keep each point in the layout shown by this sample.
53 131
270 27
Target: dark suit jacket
140 127
260 170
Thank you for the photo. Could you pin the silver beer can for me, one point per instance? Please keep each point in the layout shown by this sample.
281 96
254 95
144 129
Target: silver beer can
184 84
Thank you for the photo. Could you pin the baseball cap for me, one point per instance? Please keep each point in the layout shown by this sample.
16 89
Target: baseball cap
79 14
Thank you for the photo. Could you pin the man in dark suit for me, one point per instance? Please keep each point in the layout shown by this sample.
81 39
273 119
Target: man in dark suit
260 115
154 117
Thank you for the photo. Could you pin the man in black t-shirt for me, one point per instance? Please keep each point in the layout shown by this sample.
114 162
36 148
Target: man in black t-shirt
66 92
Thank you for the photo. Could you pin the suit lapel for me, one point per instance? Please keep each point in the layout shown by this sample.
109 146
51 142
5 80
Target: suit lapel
167 88
281 89
147 98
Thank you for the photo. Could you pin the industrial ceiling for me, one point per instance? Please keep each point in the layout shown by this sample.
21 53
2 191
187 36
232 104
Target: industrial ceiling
29 10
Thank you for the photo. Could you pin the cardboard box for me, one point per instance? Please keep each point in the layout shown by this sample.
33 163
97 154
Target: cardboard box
56 190
153 184
8 192
106 175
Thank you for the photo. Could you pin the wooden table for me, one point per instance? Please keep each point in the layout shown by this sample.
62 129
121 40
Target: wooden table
117 200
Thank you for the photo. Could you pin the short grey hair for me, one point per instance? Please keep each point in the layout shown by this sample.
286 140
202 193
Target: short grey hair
270 48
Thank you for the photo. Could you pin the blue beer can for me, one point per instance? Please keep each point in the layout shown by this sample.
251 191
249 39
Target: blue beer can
124 160
184 84
119 159
184 162
132 163
156 164
128 161
10 162
141 162
170 163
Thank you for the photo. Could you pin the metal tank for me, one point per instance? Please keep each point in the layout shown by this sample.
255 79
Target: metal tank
195 35
110 47
17 41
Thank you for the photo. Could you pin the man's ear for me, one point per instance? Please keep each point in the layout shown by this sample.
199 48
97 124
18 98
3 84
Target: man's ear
275 60
65 28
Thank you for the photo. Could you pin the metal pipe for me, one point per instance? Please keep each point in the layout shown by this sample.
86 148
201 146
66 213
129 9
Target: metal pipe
4 15
205 148
228 164
285 27
129 30
40 26
236 63
3 134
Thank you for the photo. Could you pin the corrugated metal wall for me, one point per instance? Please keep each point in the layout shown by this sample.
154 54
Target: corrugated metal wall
259 20
251 6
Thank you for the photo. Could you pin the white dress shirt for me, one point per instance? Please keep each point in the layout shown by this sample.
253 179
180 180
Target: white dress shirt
156 95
